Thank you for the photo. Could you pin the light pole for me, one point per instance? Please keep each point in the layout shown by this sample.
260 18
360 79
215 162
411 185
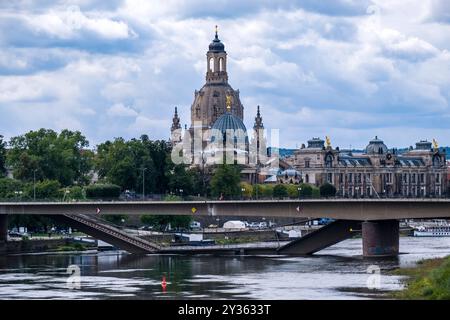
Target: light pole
299 191
34 184
143 183
242 193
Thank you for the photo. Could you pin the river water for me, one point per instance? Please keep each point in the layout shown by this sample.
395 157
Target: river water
338 272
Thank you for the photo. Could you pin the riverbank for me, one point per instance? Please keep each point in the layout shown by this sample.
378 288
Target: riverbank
39 245
428 280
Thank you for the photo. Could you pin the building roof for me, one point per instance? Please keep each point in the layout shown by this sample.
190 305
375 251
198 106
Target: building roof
376 146
216 45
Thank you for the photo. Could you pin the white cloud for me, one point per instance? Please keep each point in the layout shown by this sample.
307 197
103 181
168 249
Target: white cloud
314 69
120 110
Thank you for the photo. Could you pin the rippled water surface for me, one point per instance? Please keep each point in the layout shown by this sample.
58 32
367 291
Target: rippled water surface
338 272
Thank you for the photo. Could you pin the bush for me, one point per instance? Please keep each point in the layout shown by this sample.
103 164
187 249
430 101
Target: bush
315 192
103 191
8 187
248 190
292 190
47 189
267 190
280 191
307 190
74 193
327 190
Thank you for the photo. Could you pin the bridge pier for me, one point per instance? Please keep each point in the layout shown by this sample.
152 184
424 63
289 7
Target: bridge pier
380 238
3 227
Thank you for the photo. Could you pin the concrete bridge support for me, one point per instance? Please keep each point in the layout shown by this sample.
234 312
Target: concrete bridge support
3 227
322 238
380 238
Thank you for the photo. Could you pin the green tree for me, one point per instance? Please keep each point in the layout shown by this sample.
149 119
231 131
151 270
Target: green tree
315 192
267 190
9 187
180 179
327 190
50 156
45 190
130 163
306 190
248 190
2 157
292 190
103 191
225 182
280 191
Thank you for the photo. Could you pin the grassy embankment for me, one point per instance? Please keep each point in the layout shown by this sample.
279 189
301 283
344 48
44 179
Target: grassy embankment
429 280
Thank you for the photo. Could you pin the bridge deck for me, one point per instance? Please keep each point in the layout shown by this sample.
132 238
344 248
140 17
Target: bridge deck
348 209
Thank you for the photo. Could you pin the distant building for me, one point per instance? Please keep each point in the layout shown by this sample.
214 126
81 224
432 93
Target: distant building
377 172
216 112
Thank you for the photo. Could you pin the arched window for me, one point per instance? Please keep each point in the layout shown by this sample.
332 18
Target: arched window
307 178
329 161
211 65
221 65
436 161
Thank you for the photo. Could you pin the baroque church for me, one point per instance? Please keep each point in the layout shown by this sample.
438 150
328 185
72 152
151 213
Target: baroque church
217 133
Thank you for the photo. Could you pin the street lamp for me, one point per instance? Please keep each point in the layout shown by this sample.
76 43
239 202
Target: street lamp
299 191
242 193
143 183
34 184
18 193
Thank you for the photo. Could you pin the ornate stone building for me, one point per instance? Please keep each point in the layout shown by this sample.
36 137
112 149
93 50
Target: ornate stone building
216 111
376 172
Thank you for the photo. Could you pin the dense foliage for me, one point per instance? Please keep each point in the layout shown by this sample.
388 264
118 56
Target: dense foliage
47 155
134 164
225 182
327 190
103 191
2 156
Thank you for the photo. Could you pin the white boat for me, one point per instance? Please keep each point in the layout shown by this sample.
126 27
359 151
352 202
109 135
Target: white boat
438 231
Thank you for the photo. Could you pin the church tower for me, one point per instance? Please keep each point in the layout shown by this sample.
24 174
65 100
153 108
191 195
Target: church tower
175 130
259 145
210 102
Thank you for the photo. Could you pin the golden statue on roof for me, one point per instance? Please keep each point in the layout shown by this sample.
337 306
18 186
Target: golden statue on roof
229 102
435 144
328 141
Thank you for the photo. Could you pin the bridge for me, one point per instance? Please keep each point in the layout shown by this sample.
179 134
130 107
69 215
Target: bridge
376 219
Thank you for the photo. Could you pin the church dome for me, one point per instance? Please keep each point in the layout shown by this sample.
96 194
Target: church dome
226 122
376 146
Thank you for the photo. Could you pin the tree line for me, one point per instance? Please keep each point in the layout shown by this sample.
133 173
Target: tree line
47 165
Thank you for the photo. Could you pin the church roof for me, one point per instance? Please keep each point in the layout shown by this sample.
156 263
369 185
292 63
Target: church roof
229 121
216 45
376 146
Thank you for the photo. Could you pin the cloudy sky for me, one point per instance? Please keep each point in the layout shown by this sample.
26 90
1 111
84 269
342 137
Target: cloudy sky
344 68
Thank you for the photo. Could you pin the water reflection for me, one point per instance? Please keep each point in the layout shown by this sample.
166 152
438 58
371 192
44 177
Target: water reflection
338 272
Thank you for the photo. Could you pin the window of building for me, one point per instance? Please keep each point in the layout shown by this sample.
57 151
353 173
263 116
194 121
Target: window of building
329 161
438 178
436 161
306 163
307 178
330 178
350 177
413 178
422 178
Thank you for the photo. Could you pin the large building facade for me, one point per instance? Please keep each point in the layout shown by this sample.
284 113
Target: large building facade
376 172
217 128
